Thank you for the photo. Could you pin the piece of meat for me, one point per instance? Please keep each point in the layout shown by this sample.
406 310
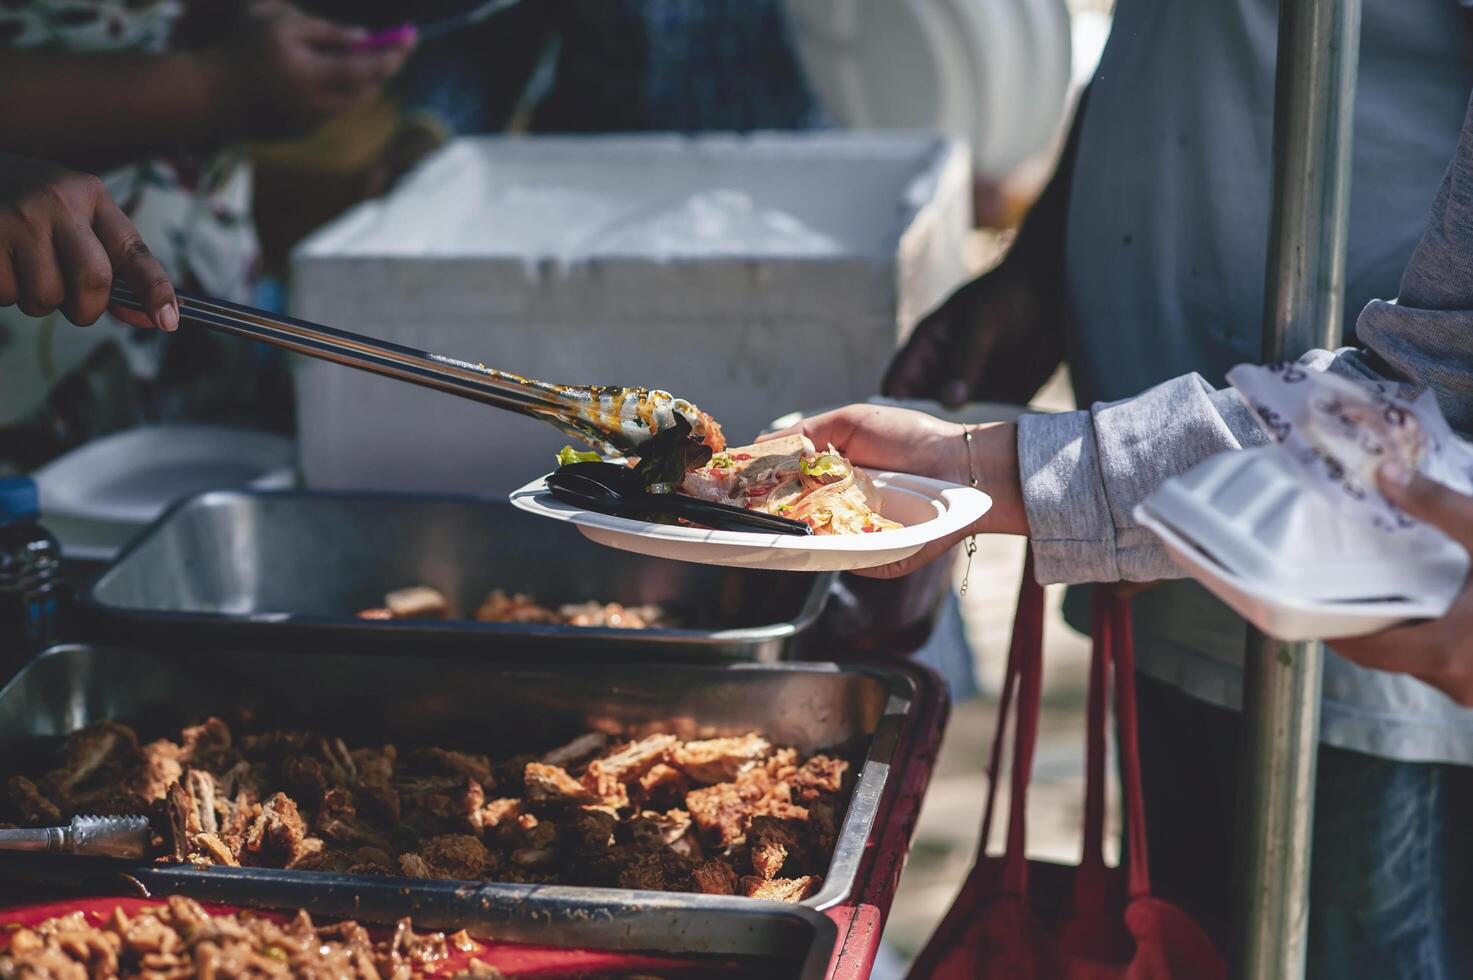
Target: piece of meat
823 819
820 774
274 840
450 763
576 752
30 804
723 811
499 812
652 830
781 889
773 842
457 856
661 788
714 877
97 751
160 768
587 831
305 778
719 760
552 784
608 775
433 805
338 821
205 743
415 866
417 602
499 607
658 871
210 849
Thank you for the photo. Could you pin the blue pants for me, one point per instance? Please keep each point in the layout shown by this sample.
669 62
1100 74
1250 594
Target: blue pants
1391 892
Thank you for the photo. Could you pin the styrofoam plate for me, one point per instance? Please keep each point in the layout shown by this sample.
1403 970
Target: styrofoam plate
929 509
1283 616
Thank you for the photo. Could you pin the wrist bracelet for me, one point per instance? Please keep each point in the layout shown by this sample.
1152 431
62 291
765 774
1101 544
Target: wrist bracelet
971 466
971 543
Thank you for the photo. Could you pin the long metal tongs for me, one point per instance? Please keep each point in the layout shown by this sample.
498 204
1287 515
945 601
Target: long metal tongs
612 419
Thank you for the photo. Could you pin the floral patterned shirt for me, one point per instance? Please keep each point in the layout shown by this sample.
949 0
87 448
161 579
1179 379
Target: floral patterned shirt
195 213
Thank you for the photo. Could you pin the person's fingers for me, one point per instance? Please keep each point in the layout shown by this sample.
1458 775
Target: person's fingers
87 271
39 284
320 33
136 266
1427 500
830 428
9 294
916 370
1423 650
359 76
931 552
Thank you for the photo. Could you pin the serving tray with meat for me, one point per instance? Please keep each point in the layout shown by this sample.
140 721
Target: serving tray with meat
576 795
733 815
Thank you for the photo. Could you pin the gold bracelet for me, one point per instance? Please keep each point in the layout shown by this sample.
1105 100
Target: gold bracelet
971 467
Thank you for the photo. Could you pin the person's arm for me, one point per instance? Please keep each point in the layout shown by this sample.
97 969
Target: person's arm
62 241
276 72
1000 336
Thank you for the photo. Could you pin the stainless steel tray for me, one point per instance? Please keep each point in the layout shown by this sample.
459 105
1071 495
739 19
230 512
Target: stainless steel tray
292 568
473 704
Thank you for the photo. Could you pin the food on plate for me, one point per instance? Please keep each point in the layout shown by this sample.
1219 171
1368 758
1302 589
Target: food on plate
790 478
731 815
423 602
178 939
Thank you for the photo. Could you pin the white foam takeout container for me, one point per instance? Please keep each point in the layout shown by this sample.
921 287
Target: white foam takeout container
929 509
1287 560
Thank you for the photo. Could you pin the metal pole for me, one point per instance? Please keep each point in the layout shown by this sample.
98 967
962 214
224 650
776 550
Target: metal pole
1314 92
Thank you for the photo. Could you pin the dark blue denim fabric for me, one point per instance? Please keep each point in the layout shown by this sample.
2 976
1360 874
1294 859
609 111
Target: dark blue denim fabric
1391 877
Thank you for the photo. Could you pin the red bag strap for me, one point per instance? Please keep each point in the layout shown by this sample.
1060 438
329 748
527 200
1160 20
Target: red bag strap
1095 727
1117 614
1023 683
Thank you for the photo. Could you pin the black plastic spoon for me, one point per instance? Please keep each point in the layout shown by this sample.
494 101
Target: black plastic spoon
613 489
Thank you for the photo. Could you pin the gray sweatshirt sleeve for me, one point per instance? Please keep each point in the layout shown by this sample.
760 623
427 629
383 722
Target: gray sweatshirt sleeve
1084 472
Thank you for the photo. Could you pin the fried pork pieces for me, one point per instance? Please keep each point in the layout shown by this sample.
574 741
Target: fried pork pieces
180 940
727 816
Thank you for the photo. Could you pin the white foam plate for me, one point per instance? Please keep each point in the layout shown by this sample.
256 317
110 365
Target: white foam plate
1275 613
929 509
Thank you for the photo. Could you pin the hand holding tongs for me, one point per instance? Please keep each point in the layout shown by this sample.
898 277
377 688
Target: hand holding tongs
117 837
614 420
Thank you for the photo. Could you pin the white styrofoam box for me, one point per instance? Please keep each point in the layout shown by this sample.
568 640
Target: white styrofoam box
751 275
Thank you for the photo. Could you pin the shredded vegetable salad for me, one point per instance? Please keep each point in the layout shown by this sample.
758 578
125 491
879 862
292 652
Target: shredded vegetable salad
790 478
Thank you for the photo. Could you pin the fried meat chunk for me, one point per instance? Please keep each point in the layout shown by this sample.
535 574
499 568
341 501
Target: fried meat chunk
417 602
780 889
719 760
608 775
552 784
714 877
773 842
275 839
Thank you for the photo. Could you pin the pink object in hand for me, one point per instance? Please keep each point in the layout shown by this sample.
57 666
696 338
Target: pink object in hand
390 37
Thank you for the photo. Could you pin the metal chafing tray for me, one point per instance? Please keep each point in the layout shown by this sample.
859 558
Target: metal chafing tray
292 568
476 705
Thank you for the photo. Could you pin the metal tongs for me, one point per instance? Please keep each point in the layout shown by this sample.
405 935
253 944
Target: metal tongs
614 420
115 837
